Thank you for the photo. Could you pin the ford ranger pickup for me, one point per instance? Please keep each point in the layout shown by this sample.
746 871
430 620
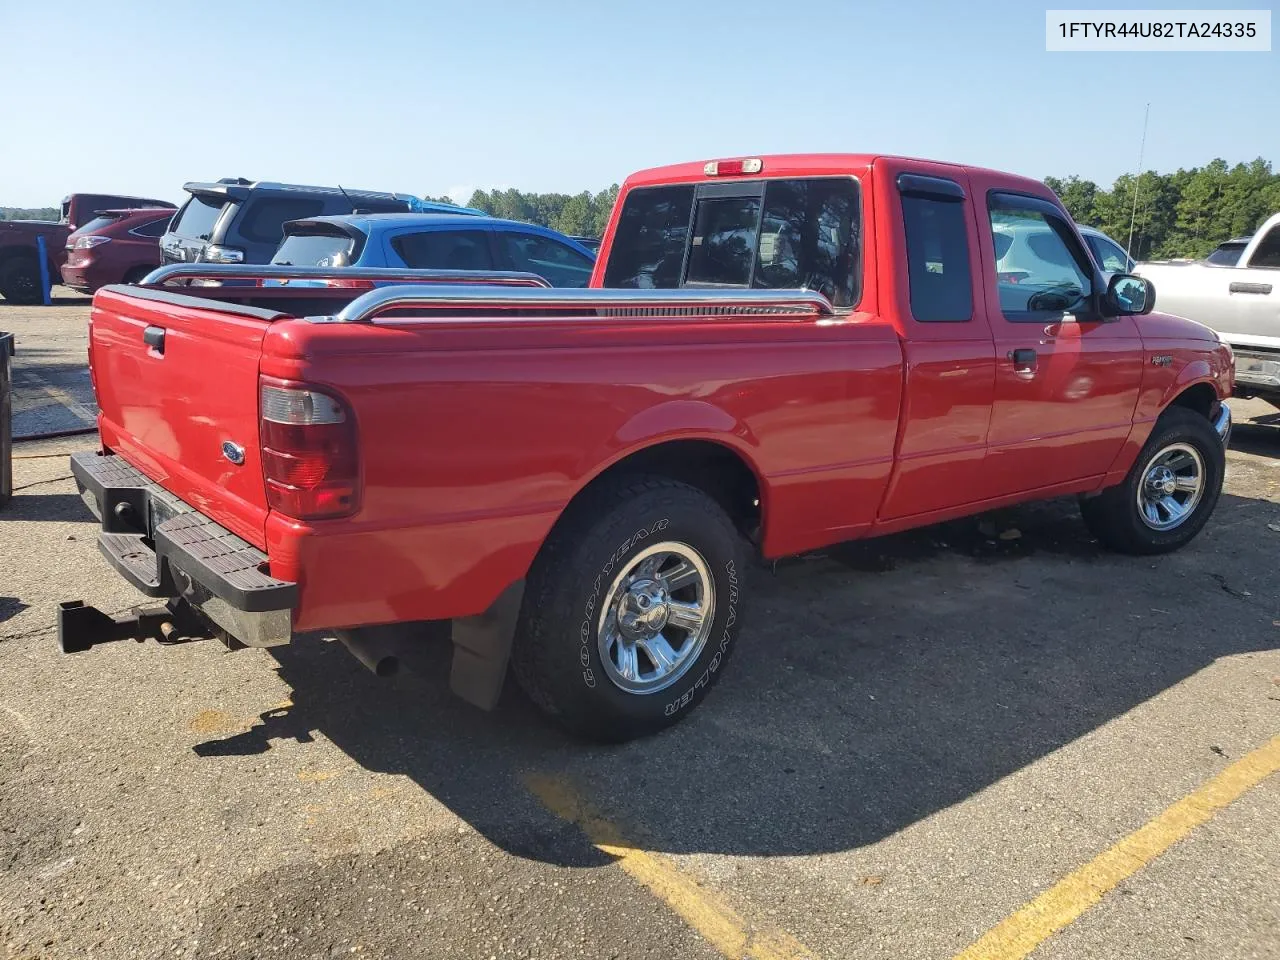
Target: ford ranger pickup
775 354
1239 298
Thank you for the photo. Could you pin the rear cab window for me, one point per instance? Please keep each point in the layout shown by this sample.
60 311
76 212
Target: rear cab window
784 233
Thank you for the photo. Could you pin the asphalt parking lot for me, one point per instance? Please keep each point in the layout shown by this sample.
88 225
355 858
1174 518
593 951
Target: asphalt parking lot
987 739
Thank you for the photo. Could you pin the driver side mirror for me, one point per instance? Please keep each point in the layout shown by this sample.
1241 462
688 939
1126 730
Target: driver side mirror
1129 296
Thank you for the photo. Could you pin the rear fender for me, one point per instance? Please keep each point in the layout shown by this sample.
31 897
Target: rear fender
672 421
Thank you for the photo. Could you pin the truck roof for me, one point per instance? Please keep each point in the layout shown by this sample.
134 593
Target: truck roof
796 165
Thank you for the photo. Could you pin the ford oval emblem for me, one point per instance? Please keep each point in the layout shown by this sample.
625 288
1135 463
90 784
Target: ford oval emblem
233 452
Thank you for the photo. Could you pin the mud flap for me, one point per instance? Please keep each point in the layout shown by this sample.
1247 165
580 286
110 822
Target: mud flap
482 647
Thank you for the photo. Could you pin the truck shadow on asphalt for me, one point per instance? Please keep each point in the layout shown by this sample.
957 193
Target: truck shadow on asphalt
873 687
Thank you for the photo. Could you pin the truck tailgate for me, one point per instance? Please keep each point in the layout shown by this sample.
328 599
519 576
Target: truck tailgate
177 385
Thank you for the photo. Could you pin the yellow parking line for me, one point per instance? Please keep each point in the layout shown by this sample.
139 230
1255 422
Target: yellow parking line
1064 902
701 909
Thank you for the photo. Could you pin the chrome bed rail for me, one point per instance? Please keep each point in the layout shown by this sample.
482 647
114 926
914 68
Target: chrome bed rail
608 302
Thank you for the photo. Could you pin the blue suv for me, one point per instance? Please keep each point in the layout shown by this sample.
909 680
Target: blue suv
438 241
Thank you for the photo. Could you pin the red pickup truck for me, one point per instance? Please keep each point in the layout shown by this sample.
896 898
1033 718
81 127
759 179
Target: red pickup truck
775 354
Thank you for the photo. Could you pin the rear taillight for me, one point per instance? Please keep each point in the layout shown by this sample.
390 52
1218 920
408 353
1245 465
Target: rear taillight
85 243
309 458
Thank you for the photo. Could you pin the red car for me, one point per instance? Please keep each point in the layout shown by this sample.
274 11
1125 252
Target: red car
787 352
116 246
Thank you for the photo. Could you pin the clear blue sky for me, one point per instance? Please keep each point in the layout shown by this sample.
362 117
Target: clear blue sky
137 97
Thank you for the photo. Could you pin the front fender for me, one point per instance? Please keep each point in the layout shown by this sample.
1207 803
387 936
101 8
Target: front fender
1217 369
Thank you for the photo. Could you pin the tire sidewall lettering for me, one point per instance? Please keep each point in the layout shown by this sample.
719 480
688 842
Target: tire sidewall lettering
726 638
586 629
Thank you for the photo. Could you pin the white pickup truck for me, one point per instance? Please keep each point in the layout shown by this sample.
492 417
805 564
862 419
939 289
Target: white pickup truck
1241 303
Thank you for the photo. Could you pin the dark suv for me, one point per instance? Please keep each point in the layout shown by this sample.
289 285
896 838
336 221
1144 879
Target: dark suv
242 221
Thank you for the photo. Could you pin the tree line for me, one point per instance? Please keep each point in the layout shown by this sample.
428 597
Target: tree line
30 213
1182 214
578 215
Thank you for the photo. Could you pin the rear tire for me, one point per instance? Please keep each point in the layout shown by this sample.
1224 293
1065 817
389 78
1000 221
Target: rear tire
136 274
655 566
20 280
1168 495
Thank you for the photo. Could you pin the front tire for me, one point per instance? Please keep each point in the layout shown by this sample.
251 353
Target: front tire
1168 495
631 609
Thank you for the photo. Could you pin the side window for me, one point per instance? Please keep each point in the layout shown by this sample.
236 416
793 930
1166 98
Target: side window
264 220
445 250
1043 271
938 270
1109 256
558 264
156 228
1267 253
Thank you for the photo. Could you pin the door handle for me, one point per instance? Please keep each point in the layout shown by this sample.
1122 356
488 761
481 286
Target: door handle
1238 287
153 337
1024 358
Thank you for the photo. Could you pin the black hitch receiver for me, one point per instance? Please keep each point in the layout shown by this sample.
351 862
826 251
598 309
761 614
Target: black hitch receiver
81 627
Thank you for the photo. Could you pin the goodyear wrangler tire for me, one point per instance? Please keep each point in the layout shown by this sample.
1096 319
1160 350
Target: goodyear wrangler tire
1170 492
631 610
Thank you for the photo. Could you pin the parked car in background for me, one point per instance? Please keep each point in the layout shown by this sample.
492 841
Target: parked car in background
434 241
1237 295
591 243
117 246
1025 249
19 250
242 221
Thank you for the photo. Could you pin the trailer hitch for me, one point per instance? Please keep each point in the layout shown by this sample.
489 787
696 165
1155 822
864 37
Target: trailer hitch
81 626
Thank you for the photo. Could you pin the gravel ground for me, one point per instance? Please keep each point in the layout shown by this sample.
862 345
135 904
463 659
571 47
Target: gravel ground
917 736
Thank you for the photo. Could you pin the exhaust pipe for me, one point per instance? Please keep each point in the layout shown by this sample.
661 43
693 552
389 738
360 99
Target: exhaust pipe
377 648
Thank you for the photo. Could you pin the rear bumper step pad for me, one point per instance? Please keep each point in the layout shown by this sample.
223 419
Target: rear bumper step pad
166 548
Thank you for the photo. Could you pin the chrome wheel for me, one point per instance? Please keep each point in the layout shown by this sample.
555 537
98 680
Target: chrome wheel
656 617
1171 486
